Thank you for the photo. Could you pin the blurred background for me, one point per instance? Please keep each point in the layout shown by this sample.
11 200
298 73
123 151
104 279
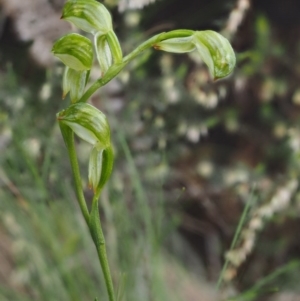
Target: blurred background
193 158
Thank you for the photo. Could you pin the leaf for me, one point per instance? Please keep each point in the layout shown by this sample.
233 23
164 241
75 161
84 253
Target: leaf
100 167
95 167
95 226
107 165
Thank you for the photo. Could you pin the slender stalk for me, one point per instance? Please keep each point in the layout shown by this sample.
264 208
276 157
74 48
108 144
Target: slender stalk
109 75
180 33
116 68
76 174
93 218
99 240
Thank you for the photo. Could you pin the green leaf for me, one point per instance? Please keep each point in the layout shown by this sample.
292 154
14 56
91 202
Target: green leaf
88 15
107 165
216 52
95 167
100 167
95 225
75 51
87 122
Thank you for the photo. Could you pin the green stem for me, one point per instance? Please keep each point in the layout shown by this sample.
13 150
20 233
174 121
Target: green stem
77 178
116 68
93 218
98 238
112 72
180 33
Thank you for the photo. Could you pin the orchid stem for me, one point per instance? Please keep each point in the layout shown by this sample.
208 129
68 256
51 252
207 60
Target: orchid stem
99 241
77 178
116 68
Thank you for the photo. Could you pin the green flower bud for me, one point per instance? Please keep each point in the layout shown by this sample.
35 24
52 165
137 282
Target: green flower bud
216 52
75 51
88 15
103 52
88 123
91 125
176 45
100 166
74 82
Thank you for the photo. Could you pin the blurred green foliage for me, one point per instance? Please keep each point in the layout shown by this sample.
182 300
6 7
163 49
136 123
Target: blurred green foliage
188 153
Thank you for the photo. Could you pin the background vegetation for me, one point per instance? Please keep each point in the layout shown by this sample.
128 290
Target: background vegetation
191 155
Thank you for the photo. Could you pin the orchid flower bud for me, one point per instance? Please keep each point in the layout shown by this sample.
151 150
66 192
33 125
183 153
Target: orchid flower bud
88 123
91 125
88 15
74 82
75 51
176 45
103 52
108 50
216 52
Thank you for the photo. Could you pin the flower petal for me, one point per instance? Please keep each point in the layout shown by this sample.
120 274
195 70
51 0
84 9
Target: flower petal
216 52
74 82
75 51
87 122
88 15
